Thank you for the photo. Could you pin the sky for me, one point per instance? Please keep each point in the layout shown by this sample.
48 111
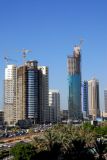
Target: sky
50 28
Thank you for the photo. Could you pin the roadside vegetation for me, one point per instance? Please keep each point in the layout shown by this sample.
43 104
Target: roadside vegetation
66 142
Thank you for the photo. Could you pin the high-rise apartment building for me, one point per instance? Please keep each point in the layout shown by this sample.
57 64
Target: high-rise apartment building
27 92
85 98
54 106
74 80
105 101
10 95
93 98
32 92
21 90
43 91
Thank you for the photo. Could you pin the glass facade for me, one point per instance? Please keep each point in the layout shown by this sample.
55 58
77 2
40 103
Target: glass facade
74 101
74 82
32 93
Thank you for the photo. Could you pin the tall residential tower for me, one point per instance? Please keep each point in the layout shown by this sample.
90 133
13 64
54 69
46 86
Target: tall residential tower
32 92
93 98
54 106
43 90
10 95
28 92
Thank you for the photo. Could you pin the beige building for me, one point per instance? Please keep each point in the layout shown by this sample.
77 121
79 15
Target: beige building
93 98
104 115
21 93
10 95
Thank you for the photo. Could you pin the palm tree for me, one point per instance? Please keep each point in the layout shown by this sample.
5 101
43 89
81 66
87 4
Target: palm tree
101 148
48 146
78 151
66 142
39 143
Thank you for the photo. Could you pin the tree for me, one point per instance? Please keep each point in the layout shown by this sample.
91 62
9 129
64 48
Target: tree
67 142
51 138
39 143
101 130
22 151
101 148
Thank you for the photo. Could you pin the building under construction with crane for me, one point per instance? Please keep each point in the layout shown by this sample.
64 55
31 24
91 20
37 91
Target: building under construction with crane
74 82
32 92
26 92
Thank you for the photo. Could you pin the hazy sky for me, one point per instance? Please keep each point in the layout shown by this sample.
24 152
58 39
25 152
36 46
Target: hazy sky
50 28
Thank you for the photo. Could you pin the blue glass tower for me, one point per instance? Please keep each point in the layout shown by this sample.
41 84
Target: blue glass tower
32 94
32 89
74 82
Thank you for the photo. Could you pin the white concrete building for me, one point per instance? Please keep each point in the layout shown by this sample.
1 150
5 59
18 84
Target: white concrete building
93 98
54 106
10 95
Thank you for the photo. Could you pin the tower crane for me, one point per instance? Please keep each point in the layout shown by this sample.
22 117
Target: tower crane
7 59
24 53
81 42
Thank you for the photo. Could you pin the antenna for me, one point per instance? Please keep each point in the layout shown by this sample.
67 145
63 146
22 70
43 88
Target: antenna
24 53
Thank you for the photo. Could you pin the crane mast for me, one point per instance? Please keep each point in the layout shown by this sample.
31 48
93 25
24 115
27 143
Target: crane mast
24 54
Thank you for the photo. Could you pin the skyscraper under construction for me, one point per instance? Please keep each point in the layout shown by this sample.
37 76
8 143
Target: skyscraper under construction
32 92
74 82
26 93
